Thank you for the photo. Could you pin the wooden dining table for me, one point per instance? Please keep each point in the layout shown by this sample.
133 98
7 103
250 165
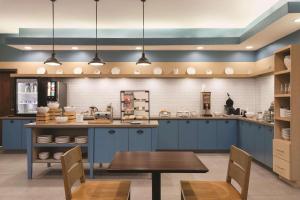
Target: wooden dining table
156 163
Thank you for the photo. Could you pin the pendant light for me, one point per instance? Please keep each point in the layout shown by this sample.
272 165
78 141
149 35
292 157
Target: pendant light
52 61
97 61
143 61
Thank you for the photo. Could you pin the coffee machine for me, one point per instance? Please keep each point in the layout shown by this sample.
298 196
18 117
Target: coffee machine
206 97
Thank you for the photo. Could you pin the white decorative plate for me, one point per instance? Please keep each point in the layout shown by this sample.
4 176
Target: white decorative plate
77 70
41 70
157 71
229 70
191 71
137 71
115 70
97 71
59 71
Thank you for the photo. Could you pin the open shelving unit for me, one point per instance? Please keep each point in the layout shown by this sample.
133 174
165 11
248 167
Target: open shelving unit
286 159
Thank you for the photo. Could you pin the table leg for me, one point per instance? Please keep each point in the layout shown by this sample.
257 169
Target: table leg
156 186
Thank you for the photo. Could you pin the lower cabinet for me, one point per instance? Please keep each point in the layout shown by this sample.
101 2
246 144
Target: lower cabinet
188 134
24 133
257 140
168 135
108 141
140 139
226 134
207 134
12 134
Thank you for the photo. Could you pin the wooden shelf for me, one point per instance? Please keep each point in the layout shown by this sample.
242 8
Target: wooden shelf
53 161
133 76
286 119
282 95
283 72
59 145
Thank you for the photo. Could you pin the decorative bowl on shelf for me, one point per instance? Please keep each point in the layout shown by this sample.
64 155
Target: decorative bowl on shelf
53 105
208 72
77 70
59 71
42 109
229 71
61 119
287 62
191 71
115 70
157 71
41 70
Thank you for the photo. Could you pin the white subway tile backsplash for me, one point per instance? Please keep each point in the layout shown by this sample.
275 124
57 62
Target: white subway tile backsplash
173 94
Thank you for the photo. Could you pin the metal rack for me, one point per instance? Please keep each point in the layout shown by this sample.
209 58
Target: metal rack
132 107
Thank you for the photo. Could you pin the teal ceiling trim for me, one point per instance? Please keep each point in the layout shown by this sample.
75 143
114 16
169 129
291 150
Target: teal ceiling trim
163 36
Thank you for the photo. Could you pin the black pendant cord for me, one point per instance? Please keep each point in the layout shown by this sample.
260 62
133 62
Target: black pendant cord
53 52
143 26
96 27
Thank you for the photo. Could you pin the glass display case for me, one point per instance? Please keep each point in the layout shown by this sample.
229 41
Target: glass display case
26 96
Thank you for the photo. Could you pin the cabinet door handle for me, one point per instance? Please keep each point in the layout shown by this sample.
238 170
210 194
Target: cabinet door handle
168 122
140 132
207 121
11 121
226 121
187 121
111 132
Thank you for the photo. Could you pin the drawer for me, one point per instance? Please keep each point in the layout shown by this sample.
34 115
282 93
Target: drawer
282 149
282 168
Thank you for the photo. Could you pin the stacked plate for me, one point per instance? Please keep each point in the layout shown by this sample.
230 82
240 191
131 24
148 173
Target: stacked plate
44 139
81 139
57 155
62 139
286 133
288 113
44 155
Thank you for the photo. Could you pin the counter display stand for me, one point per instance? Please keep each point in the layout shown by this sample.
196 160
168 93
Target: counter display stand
135 105
286 159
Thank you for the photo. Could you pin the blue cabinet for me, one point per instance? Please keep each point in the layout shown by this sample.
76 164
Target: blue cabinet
188 135
259 152
24 133
167 134
207 135
107 142
140 139
269 135
246 136
226 134
12 133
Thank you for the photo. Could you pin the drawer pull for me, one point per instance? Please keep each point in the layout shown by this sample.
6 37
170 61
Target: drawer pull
168 122
187 121
140 132
207 121
226 121
111 132
11 121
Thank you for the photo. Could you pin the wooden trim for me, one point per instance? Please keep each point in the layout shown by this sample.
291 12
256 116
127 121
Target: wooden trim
9 70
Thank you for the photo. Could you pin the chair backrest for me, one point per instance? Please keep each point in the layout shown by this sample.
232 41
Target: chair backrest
239 169
72 168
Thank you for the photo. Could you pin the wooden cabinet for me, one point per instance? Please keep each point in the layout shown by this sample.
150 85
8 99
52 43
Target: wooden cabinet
140 139
226 134
168 135
207 134
188 134
108 141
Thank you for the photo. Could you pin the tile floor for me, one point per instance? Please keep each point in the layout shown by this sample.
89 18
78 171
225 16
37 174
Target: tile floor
48 185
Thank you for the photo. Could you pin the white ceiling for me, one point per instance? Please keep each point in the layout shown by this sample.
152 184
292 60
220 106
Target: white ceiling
16 14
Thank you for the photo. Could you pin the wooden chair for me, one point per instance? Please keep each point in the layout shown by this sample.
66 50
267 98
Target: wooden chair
238 170
73 171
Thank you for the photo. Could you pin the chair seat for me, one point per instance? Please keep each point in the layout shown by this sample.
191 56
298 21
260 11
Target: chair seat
102 190
206 190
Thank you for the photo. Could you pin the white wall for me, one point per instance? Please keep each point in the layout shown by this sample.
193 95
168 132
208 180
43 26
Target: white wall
173 94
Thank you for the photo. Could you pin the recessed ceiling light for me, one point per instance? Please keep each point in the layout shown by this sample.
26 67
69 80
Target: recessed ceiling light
249 47
75 48
27 47
297 20
199 48
138 48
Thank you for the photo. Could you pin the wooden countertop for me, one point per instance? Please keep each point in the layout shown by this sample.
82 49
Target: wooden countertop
114 124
